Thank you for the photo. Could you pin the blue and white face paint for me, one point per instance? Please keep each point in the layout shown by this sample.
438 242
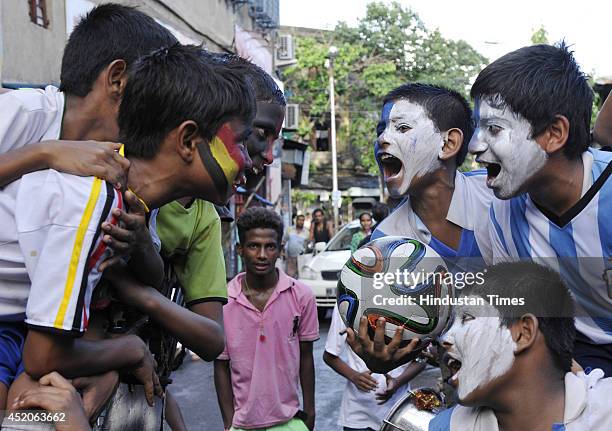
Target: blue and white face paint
409 145
503 144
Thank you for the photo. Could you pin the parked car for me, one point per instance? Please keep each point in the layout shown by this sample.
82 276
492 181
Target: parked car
320 270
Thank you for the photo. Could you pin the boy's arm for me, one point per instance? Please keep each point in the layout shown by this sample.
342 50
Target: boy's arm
394 383
307 381
83 158
194 330
364 381
73 357
225 395
602 131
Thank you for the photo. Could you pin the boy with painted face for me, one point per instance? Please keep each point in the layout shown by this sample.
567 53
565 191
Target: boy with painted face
420 143
533 110
183 121
512 362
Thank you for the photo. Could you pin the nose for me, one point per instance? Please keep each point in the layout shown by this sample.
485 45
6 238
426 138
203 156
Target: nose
261 255
268 155
477 145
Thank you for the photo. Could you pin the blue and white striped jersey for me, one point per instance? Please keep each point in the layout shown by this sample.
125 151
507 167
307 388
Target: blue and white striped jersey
578 244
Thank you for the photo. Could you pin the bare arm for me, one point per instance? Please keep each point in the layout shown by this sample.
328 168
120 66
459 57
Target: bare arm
85 158
602 131
74 357
364 381
307 381
193 328
225 395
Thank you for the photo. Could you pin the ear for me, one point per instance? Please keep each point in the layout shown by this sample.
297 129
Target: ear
239 249
188 139
452 144
525 332
555 136
116 78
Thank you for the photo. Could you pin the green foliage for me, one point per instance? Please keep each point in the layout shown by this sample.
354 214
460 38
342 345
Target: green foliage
388 47
303 199
539 36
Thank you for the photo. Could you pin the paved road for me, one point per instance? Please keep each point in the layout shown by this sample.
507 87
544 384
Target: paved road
194 390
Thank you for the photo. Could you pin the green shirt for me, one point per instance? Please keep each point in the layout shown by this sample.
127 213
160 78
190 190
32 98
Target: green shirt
191 241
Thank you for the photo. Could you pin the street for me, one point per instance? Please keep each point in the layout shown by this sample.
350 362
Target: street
194 389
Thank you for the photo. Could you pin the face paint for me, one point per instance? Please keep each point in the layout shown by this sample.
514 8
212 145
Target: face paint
408 145
225 159
502 141
266 129
481 343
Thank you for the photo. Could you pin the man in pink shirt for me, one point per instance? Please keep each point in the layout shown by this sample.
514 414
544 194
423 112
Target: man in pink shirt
270 323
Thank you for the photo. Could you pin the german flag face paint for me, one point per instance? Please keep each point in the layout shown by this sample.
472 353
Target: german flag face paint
225 159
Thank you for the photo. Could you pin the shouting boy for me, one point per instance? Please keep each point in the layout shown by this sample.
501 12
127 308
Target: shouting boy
511 363
533 111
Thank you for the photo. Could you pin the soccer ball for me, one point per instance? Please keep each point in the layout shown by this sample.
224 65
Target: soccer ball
400 279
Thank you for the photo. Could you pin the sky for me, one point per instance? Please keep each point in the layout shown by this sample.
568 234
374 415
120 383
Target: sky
492 27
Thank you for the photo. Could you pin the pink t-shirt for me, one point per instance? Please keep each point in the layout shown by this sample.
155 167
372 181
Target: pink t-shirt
264 350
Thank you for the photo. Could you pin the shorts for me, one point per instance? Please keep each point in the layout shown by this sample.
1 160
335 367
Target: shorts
292 425
12 339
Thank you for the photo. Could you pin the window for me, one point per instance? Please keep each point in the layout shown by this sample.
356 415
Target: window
38 12
342 241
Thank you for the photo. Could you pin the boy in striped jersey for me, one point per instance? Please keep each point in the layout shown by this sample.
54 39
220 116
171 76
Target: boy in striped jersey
183 121
533 110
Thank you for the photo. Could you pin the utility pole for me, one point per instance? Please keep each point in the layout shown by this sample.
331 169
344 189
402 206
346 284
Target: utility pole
333 53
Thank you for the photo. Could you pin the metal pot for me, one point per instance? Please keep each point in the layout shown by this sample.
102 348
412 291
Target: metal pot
404 416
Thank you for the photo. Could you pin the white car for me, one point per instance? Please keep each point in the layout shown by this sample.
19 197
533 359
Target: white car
320 272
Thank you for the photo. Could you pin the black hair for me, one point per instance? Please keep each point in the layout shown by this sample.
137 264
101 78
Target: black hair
365 213
266 89
108 32
173 85
318 210
380 211
544 295
540 82
259 218
446 108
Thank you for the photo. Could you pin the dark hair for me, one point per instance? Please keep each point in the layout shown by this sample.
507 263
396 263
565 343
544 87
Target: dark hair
266 90
108 32
545 296
446 108
173 85
540 82
259 217
318 210
365 213
380 211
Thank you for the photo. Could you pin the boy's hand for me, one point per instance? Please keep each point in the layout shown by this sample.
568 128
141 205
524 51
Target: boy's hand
125 287
378 356
364 381
56 394
96 391
131 235
392 386
88 158
145 373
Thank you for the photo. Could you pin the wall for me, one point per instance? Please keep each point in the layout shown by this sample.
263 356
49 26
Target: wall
31 54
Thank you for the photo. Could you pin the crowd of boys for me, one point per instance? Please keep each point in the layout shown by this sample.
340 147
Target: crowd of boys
112 178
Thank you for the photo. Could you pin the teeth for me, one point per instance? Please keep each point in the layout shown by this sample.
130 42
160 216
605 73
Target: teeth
385 156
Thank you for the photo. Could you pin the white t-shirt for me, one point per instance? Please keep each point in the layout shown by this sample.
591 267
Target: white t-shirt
30 115
51 246
360 409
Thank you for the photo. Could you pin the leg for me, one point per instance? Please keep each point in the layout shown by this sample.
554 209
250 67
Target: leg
174 417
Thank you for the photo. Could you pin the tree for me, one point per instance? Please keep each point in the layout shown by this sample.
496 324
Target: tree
388 47
539 36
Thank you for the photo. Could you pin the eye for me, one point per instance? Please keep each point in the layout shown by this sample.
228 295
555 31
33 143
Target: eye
493 129
466 317
403 128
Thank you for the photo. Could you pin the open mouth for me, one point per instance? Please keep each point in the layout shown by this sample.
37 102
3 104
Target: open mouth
391 165
493 169
453 364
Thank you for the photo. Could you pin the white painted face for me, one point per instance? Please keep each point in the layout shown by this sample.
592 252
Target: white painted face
502 141
409 145
481 343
